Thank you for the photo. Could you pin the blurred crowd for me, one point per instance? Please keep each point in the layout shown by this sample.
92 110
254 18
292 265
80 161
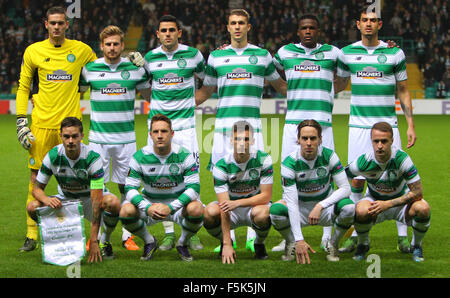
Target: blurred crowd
423 23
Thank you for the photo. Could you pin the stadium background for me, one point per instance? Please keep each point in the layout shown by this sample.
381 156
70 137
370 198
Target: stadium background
420 28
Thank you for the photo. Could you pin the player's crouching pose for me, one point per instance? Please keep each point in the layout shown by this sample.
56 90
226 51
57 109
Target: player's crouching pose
308 195
243 183
171 183
79 173
394 191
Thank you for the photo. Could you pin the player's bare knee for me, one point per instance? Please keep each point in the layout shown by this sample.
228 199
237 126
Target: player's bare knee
111 203
358 183
127 210
211 214
31 208
195 209
421 208
362 211
260 214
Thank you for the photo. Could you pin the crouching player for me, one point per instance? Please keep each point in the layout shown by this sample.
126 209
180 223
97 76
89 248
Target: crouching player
243 185
394 191
79 173
171 189
308 195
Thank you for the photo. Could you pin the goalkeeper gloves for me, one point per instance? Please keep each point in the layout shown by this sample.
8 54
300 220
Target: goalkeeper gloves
24 134
136 58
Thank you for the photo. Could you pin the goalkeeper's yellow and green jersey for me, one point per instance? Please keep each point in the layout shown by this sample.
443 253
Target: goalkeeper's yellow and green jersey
58 71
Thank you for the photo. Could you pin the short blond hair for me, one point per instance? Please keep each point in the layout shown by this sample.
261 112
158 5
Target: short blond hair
111 30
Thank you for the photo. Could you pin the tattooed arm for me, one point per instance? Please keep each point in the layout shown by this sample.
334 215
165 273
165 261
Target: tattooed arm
94 251
406 104
415 194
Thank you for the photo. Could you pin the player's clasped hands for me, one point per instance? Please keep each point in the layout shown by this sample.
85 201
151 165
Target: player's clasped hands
377 207
301 252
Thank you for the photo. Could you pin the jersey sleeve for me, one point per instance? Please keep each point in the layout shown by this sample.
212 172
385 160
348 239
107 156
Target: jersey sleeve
27 70
267 171
409 170
220 177
210 73
271 74
353 170
133 182
191 183
200 65
342 68
45 172
277 61
400 67
144 83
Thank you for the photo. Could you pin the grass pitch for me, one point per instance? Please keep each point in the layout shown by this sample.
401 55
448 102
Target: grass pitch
430 154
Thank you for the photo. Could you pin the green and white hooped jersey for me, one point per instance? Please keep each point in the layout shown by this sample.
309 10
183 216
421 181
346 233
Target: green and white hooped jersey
311 178
173 83
164 178
309 75
73 176
239 76
243 180
113 93
385 181
374 73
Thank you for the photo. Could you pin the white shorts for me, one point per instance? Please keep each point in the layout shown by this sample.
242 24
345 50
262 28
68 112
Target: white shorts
222 145
326 217
290 140
397 213
186 138
241 216
117 156
360 142
86 203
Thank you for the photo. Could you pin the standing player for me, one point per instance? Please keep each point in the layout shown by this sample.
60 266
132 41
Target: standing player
171 188
394 191
173 67
309 197
309 68
114 81
57 62
238 71
243 184
378 74
78 169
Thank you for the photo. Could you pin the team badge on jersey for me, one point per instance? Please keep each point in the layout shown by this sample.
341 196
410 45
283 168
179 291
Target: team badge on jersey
321 172
253 59
382 59
174 169
253 174
320 56
125 74
307 66
82 174
71 58
369 72
239 74
181 63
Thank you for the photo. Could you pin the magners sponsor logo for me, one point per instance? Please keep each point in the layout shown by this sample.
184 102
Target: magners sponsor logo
164 183
59 76
171 79
307 66
369 73
113 89
239 74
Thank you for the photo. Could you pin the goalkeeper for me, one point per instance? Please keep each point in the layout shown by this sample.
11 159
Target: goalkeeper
58 62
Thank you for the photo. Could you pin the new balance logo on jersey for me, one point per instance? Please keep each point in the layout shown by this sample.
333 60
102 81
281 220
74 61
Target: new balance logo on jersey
171 79
369 73
239 74
102 75
307 66
47 59
113 89
59 76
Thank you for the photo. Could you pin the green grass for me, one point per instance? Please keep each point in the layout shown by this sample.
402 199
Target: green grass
430 155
